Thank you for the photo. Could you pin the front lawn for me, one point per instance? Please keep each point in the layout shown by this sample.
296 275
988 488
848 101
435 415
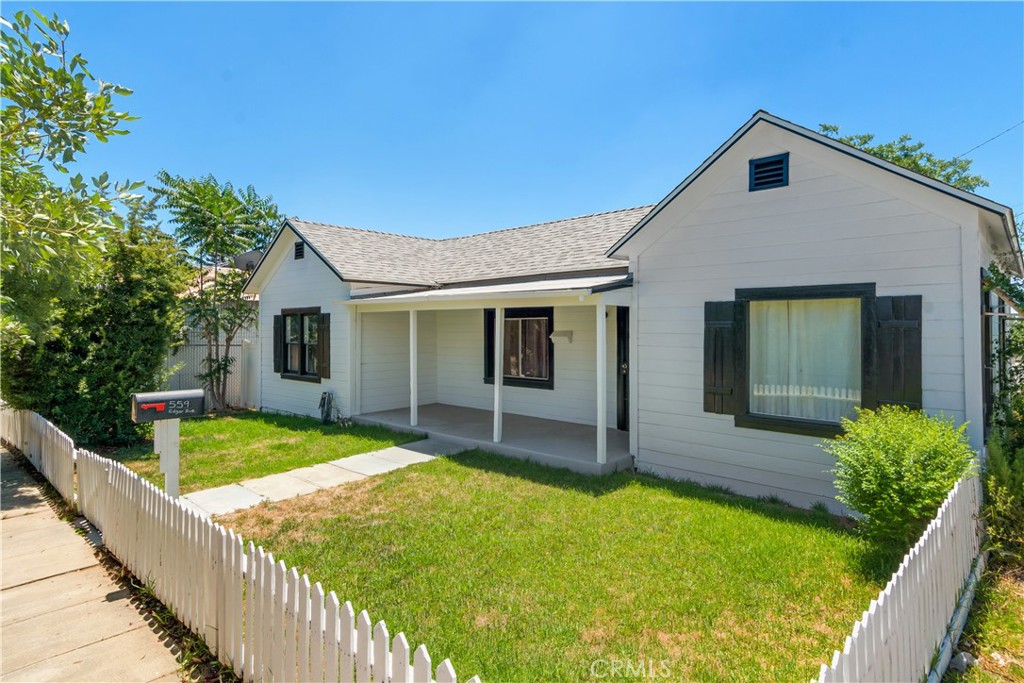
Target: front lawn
520 572
218 450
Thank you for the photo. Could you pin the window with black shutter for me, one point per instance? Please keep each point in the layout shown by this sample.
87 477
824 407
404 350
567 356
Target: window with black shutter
302 344
800 359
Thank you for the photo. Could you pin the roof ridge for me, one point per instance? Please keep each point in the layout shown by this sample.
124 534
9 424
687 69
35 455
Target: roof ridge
475 234
551 222
369 230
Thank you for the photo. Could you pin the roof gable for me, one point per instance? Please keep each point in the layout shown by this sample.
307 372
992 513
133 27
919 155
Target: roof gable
1004 213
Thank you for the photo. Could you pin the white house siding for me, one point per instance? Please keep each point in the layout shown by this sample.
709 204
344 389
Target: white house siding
385 360
299 284
831 225
460 368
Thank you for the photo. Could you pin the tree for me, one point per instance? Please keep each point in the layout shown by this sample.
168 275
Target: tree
112 341
215 221
905 152
53 234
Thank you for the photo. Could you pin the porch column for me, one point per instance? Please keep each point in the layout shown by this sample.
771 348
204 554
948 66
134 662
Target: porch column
414 399
601 373
499 368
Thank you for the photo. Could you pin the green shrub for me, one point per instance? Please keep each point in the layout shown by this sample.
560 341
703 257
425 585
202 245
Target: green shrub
895 466
1004 500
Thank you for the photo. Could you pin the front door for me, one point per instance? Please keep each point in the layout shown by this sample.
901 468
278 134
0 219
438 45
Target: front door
622 366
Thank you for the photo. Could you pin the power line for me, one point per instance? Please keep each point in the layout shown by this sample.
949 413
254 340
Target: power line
989 140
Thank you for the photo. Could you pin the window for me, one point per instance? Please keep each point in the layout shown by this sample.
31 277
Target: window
302 344
528 353
805 358
799 359
769 172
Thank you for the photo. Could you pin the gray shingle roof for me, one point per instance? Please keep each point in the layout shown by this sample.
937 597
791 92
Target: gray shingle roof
564 246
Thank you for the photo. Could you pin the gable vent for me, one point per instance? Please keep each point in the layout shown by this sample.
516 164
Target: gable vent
300 250
769 172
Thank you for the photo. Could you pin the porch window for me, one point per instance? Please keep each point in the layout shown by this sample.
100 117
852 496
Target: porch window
528 359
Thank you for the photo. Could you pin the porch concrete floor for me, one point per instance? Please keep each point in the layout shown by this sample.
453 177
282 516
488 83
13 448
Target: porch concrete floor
550 442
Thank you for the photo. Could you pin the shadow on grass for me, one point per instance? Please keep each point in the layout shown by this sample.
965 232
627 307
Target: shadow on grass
242 423
876 563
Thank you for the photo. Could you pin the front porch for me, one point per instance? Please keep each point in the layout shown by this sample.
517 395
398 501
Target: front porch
549 442
426 362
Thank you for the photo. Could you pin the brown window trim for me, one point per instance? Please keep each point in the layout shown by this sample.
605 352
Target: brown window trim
295 376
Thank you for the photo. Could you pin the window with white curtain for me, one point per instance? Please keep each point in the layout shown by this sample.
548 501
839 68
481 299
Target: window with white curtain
804 358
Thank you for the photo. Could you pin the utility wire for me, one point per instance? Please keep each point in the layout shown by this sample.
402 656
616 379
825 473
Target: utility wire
989 140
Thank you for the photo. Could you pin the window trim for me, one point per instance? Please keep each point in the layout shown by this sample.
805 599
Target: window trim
795 425
301 312
516 314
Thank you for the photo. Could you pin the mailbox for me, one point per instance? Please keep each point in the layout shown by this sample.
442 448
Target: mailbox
167 405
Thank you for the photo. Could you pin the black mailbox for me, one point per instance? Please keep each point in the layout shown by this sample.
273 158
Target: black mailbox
167 405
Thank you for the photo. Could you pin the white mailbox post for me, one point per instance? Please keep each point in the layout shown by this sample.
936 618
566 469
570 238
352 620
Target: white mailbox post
165 410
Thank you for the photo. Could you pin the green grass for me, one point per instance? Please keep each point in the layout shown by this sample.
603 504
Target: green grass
218 450
520 572
995 631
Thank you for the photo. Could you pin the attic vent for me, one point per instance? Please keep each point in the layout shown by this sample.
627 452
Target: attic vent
300 250
769 172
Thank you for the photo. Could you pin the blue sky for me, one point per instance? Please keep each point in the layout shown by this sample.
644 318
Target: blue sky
446 119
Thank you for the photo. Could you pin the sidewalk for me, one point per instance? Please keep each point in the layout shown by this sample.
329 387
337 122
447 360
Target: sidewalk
224 499
62 616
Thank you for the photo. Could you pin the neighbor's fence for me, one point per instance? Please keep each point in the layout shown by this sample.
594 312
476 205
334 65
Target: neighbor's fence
257 615
898 636
188 361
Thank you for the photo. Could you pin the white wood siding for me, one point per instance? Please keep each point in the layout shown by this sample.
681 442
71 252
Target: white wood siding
460 368
298 284
385 361
829 226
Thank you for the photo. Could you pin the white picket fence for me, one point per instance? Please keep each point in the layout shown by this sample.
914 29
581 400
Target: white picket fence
258 616
50 450
897 638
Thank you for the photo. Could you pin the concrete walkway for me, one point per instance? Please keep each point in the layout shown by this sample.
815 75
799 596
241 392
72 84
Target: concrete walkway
299 482
62 616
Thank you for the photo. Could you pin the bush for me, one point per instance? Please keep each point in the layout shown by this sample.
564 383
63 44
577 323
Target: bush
110 340
1004 500
895 466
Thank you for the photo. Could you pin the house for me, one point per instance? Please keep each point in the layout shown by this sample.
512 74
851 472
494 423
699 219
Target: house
716 336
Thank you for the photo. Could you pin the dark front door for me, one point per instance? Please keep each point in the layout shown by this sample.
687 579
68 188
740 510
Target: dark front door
622 366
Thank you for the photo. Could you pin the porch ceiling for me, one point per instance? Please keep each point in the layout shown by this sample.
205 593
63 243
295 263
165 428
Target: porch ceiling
578 287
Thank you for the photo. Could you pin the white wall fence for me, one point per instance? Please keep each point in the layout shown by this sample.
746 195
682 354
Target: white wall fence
898 637
257 615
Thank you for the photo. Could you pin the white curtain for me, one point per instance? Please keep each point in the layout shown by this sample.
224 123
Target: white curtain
805 358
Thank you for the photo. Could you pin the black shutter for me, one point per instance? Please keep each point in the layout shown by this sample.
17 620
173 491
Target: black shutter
489 344
898 345
720 392
323 343
278 342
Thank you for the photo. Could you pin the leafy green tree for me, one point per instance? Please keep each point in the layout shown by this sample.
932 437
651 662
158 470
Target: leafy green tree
52 233
906 152
113 341
215 222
